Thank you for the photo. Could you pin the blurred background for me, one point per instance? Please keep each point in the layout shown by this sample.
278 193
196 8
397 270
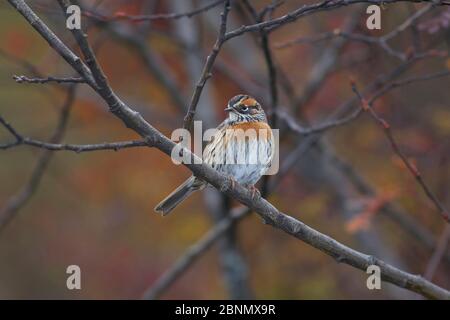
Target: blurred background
95 209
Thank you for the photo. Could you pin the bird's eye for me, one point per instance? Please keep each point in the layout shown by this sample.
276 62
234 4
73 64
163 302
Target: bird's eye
245 109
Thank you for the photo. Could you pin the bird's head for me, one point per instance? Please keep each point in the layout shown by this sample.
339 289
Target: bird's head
244 108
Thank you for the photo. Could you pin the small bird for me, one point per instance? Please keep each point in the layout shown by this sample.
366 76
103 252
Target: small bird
242 148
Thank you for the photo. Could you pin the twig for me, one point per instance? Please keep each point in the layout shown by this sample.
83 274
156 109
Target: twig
25 79
267 211
390 210
206 73
367 106
77 148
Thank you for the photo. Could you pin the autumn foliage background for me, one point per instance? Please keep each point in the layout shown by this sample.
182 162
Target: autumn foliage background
96 209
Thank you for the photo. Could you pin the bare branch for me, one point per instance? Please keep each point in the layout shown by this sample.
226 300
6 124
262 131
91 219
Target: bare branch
296 127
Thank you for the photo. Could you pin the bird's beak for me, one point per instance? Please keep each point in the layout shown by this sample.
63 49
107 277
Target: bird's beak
228 108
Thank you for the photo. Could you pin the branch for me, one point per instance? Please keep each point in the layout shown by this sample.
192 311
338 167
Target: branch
264 209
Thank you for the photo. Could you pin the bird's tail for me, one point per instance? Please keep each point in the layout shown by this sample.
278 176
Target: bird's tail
177 196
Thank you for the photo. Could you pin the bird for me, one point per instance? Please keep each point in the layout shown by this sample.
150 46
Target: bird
242 148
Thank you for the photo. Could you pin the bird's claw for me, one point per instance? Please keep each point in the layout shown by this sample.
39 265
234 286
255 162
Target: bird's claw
255 192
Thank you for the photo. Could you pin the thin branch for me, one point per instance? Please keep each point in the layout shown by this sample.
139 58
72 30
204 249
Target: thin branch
367 107
206 73
25 79
77 148
185 261
265 210
11 130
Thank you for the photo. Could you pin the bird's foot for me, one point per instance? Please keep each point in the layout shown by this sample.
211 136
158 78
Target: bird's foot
255 192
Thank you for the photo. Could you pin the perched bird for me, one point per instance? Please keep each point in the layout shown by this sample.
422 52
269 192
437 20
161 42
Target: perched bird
242 148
